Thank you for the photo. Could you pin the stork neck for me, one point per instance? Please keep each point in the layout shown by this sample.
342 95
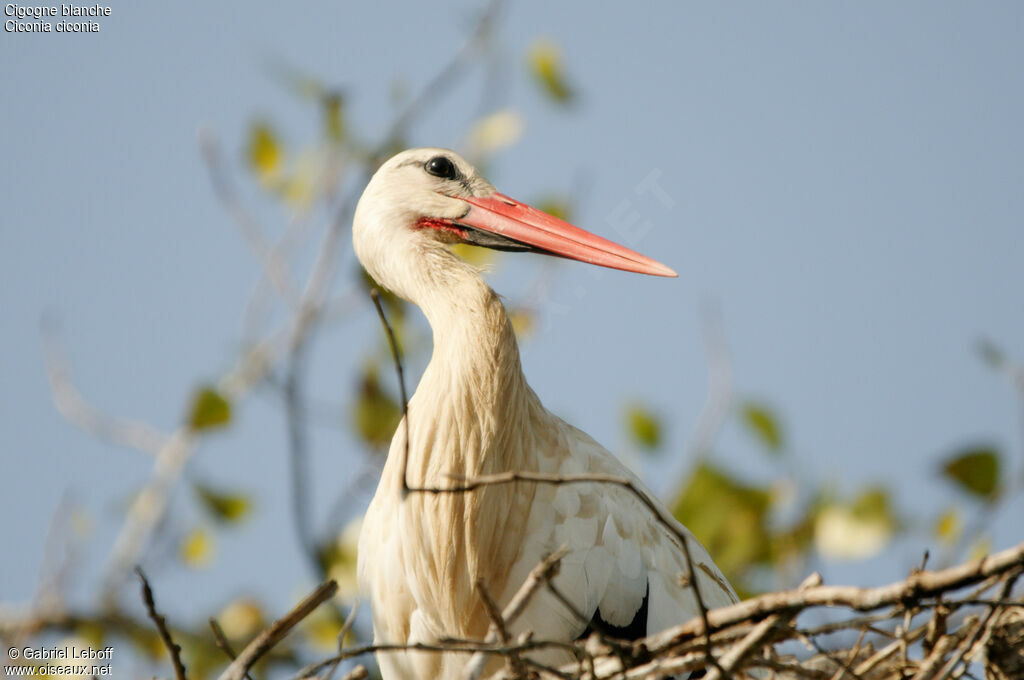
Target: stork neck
474 382
473 338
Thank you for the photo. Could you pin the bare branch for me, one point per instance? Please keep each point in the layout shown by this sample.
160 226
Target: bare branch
375 295
266 640
222 642
273 265
77 410
161 625
541 574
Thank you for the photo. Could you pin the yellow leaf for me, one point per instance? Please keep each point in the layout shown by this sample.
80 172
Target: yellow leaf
496 131
545 61
197 548
474 255
841 533
556 207
209 410
949 526
264 150
522 322
643 426
241 619
225 506
981 547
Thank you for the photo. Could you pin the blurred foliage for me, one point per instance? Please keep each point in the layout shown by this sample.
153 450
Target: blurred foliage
475 255
555 205
209 410
976 470
376 413
227 507
729 517
523 320
197 548
334 117
644 427
264 152
495 132
763 424
857 529
545 61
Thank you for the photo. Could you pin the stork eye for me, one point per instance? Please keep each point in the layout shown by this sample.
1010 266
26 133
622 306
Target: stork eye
441 166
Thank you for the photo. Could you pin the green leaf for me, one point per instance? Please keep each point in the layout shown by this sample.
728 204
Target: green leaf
762 423
225 506
991 353
263 150
375 414
555 206
644 427
334 116
209 410
873 504
728 516
976 470
546 66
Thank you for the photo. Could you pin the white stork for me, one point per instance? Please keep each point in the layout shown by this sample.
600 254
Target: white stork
474 414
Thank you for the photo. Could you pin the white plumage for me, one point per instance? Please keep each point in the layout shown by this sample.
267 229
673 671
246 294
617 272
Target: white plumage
474 414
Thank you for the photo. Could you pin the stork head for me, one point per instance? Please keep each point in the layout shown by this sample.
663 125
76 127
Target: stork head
422 199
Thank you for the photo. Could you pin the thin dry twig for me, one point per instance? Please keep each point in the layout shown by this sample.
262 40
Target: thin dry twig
345 628
543 573
222 642
396 355
277 631
755 638
161 625
77 410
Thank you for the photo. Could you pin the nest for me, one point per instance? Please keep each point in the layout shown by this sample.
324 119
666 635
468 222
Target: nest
959 622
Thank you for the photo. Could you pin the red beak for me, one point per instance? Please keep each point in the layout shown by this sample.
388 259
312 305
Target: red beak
514 221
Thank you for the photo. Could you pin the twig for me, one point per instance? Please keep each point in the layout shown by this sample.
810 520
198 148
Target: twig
77 410
161 625
277 631
298 457
274 267
757 635
447 646
515 663
546 570
357 673
920 584
395 354
349 620
440 82
719 395
222 642
469 484
983 630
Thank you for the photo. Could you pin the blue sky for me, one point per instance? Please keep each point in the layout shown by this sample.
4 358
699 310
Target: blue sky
845 182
